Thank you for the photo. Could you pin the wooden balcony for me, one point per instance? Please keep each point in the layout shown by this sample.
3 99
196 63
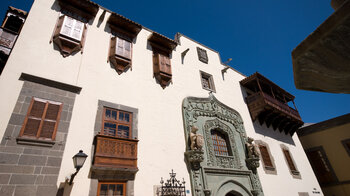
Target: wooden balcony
112 152
267 103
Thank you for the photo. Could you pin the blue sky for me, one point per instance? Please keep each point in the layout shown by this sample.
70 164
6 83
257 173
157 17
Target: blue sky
257 35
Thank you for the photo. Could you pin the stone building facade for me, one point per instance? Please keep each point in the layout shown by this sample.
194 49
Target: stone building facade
130 97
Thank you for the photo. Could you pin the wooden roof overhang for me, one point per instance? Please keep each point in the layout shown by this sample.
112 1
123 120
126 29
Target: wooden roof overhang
267 108
85 8
123 25
18 11
161 42
325 55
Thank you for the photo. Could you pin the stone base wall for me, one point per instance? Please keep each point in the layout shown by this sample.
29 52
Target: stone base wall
29 169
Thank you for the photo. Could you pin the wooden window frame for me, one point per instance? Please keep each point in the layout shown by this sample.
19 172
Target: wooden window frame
22 135
226 142
268 169
202 55
117 122
120 62
210 79
295 172
111 183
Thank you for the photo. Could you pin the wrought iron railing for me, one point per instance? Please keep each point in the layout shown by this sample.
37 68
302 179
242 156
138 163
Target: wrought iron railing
115 152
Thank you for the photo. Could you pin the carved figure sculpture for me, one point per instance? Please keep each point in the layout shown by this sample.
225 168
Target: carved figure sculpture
251 148
196 139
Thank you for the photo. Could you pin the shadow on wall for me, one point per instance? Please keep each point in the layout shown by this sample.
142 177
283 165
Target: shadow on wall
275 134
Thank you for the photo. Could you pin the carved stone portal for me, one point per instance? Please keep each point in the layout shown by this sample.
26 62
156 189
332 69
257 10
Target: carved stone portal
210 171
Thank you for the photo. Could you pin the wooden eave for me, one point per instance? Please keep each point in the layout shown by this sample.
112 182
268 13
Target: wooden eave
124 25
251 81
18 11
161 42
88 8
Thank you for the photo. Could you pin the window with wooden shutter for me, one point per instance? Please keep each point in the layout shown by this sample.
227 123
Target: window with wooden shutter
346 144
321 166
162 68
42 119
120 53
290 161
265 156
69 34
123 48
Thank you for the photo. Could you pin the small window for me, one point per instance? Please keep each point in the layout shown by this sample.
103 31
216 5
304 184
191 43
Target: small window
266 157
42 119
111 189
290 162
162 67
220 143
202 55
117 123
207 81
321 166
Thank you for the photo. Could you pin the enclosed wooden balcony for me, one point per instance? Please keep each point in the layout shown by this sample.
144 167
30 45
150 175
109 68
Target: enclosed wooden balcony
113 152
268 103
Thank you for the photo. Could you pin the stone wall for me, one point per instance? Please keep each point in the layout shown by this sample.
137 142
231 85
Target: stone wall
32 168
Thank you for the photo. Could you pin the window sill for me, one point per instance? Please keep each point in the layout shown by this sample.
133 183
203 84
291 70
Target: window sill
208 89
270 168
35 142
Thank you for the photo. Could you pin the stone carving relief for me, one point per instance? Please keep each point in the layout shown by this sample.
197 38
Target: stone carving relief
201 116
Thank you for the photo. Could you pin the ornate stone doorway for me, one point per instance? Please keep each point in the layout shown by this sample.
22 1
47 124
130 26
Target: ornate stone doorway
218 164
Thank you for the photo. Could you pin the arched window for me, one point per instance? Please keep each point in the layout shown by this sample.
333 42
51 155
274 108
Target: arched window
221 146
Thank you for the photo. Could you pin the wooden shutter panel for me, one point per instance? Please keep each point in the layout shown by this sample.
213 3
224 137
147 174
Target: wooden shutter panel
265 156
34 118
67 27
58 26
77 29
289 160
127 49
112 50
51 118
120 47
164 64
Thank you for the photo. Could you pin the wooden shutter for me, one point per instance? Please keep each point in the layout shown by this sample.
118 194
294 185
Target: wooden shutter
112 50
42 118
77 31
50 121
58 26
265 156
67 27
127 49
34 118
120 47
289 160
164 63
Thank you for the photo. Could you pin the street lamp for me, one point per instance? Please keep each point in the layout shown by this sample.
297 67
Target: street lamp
78 161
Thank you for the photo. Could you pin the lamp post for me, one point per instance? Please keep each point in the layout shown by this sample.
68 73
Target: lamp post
78 161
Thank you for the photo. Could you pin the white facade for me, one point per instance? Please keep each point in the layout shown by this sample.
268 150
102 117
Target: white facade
160 123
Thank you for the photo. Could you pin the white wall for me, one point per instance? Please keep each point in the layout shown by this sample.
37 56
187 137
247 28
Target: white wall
160 122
